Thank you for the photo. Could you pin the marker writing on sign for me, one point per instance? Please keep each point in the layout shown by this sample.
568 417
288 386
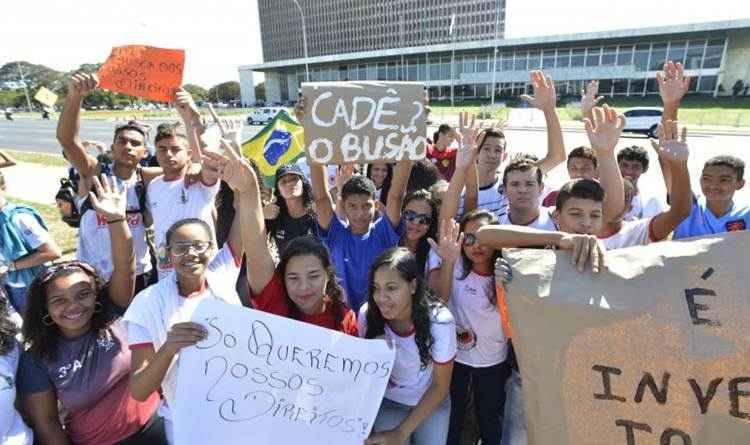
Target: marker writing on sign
694 307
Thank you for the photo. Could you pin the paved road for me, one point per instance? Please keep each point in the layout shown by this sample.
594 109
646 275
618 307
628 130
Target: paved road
38 135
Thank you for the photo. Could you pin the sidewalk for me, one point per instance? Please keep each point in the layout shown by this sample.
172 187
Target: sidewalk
33 182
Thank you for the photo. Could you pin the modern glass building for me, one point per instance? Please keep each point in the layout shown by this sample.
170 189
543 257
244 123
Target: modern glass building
715 54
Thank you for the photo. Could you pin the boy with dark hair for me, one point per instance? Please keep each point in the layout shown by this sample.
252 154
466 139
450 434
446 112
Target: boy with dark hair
633 162
493 148
717 211
582 163
522 181
356 243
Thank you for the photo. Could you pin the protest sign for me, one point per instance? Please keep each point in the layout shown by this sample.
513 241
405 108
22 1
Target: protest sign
364 122
653 351
46 97
268 379
143 71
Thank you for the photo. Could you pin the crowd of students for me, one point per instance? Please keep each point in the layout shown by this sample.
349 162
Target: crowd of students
410 252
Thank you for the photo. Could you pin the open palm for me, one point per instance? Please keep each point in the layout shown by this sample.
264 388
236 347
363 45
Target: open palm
108 198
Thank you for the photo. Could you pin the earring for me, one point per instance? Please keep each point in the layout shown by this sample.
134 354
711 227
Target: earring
47 320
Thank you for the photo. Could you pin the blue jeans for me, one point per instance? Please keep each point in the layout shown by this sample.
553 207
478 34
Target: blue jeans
17 297
514 420
432 431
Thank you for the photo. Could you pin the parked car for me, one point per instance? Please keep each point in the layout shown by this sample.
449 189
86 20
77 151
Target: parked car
644 120
262 116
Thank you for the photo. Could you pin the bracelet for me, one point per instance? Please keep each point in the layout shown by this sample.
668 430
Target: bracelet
114 221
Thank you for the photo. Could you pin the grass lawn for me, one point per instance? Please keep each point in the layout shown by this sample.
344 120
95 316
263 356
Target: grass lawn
38 158
61 232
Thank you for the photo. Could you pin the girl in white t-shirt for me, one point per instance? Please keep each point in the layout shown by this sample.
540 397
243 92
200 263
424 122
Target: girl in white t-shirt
12 428
466 283
416 407
158 318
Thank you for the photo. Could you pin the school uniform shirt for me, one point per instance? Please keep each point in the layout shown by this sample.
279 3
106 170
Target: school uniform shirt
631 233
273 299
491 197
353 254
645 206
409 380
155 309
542 222
33 234
13 431
702 221
91 377
445 161
172 201
94 245
481 342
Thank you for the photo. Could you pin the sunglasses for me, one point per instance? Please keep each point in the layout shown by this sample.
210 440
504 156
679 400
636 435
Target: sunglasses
420 218
198 247
469 239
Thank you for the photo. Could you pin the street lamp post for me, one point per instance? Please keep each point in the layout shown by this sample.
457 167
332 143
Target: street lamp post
25 87
453 52
304 38
494 55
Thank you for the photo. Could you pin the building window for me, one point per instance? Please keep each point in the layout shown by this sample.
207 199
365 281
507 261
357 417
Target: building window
382 71
592 56
548 59
507 62
640 57
620 86
694 54
677 52
707 84
482 64
535 61
470 64
658 56
563 58
714 51
609 56
625 55
578 57
520 60
637 86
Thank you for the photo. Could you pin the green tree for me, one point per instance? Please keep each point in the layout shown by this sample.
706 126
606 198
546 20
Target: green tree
199 93
260 91
224 92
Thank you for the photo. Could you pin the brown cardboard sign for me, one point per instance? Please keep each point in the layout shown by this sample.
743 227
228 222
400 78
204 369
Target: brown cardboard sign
654 350
364 122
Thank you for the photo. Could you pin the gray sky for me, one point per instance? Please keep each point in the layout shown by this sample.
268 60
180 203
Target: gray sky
219 36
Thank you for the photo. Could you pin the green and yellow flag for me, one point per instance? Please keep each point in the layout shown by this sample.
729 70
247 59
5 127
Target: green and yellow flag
280 142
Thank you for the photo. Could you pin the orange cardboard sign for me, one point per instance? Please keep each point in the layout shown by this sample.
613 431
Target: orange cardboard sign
143 71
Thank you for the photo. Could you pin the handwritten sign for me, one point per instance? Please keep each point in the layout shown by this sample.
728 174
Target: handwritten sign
654 351
143 71
46 97
364 122
277 380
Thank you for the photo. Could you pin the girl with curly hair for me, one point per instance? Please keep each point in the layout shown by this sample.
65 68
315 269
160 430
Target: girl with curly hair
400 307
291 213
78 355
420 217
303 286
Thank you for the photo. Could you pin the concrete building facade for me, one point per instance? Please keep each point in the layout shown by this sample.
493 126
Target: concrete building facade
716 55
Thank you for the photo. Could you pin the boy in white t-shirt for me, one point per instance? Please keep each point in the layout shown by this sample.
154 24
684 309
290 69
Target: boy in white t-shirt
522 181
169 197
621 233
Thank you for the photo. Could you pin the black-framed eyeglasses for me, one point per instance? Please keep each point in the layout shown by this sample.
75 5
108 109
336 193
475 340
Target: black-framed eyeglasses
419 218
182 248
469 239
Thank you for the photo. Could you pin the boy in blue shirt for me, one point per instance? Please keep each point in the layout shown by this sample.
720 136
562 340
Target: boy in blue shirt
716 211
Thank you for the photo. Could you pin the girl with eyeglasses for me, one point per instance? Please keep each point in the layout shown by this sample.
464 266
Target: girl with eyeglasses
158 319
420 224
303 286
400 307
77 355
465 282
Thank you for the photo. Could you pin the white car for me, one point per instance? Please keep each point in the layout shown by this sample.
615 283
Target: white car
643 120
262 116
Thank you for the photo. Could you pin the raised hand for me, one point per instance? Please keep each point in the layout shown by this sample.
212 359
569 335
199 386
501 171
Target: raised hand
669 146
343 174
232 131
271 210
545 96
589 98
585 249
81 84
503 272
469 139
186 106
108 198
673 84
450 240
231 167
605 130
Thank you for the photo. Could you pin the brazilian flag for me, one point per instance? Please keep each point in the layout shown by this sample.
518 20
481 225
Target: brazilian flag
280 142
